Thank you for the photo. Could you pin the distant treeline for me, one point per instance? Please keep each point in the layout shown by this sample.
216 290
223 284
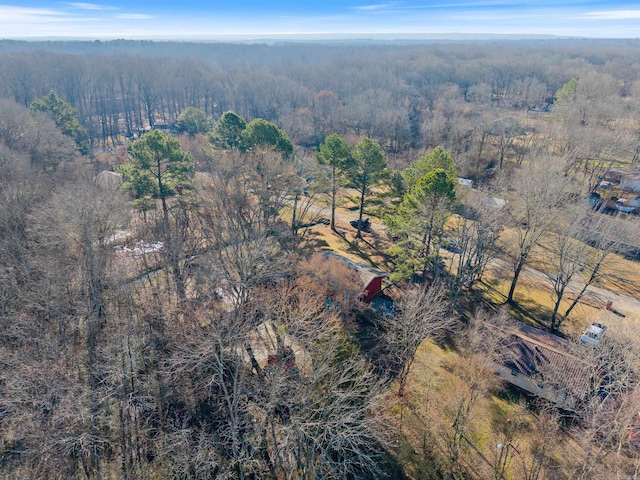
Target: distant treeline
404 95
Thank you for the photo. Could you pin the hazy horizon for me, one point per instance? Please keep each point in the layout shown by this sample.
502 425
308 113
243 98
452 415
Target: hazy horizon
199 20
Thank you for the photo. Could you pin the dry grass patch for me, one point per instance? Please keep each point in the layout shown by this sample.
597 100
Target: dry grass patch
425 417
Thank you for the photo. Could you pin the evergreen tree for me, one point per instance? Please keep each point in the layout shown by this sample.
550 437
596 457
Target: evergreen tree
419 221
368 168
192 121
336 153
65 117
227 132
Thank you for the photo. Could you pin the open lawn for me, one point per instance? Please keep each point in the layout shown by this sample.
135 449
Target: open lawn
437 389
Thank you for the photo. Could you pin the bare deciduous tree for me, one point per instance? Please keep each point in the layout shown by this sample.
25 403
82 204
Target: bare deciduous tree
475 233
474 377
279 409
567 257
540 189
423 312
607 238
610 408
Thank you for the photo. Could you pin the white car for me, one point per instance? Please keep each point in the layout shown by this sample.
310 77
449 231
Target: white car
593 334
623 206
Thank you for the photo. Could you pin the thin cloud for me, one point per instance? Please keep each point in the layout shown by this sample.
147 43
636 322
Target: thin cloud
89 6
11 16
379 6
133 16
613 15
500 3
23 14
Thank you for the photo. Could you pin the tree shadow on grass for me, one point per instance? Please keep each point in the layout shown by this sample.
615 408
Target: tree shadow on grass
420 462
343 235
354 248
375 248
313 241
368 335
525 310
475 299
531 313
391 466
491 293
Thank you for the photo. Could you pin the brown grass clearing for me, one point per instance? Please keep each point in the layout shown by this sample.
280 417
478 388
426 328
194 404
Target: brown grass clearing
424 416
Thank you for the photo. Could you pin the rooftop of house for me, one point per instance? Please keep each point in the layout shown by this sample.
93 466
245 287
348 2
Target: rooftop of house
366 272
546 358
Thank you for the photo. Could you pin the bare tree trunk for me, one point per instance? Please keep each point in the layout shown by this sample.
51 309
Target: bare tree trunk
171 245
555 322
334 194
583 290
362 194
516 276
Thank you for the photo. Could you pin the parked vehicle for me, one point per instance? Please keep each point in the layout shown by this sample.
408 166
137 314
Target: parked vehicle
622 206
365 226
595 199
593 334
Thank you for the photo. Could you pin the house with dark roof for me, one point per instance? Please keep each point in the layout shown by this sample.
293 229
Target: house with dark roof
543 365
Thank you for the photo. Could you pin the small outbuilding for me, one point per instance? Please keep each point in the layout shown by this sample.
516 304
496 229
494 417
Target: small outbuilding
465 182
630 183
478 197
627 178
108 180
495 202
371 277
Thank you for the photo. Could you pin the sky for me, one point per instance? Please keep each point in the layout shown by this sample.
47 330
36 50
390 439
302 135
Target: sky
213 19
